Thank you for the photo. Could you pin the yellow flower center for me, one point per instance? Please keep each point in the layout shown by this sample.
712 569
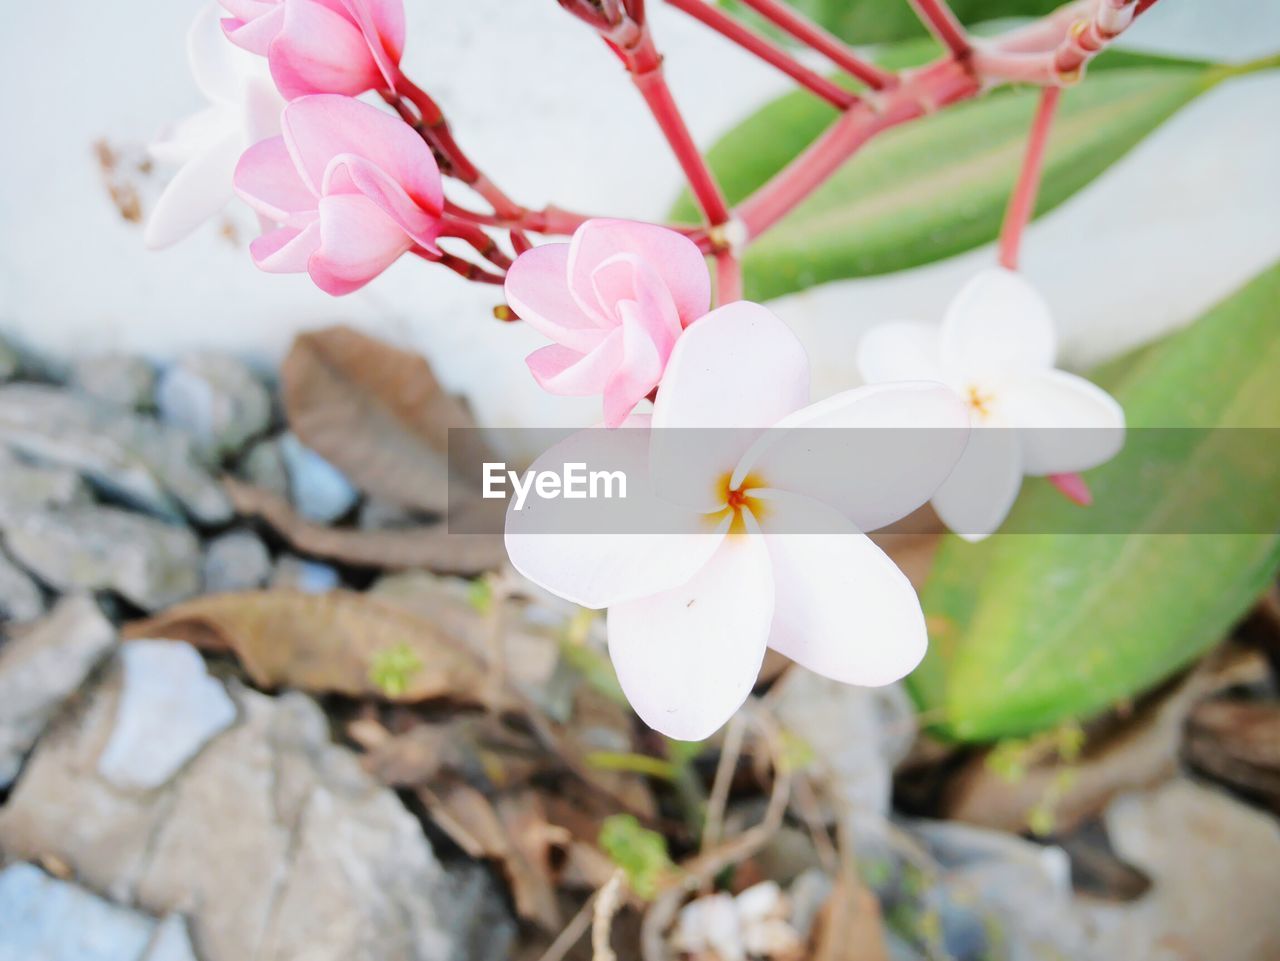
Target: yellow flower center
980 402
738 502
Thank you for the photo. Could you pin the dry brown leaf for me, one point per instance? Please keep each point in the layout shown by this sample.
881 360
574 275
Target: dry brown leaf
1140 751
431 547
515 833
1238 743
478 748
849 927
325 643
379 414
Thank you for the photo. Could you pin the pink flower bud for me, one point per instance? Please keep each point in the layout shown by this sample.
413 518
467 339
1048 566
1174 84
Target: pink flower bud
614 300
321 46
350 187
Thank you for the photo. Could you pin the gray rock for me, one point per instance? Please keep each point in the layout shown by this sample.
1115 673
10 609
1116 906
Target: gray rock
40 668
858 735
1212 861
236 561
134 458
27 487
120 380
43 919
216 399
319 490
273 842
171 942
20 596
148 562
10 362
310 577
169 709
263 466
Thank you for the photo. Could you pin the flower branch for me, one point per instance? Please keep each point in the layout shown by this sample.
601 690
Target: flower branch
785 18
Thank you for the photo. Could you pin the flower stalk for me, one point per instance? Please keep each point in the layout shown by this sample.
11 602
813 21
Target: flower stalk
1023 200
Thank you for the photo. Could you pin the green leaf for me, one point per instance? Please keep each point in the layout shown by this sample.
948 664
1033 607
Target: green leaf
1031 630
640 853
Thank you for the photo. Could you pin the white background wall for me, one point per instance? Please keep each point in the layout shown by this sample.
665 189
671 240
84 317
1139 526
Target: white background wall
1181 221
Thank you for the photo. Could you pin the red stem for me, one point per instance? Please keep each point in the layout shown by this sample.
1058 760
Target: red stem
1023 200
934 86
942 23
728 277
646 71
770 53
833 48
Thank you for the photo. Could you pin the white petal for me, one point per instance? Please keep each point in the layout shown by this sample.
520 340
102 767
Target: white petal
976 498
996 324
842 608
687 658
217 65
1067 423
199 189
900 351
896 444
738 370
597 552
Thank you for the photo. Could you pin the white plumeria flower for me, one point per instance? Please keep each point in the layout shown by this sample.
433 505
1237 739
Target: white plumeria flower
244 108
757 547
996 348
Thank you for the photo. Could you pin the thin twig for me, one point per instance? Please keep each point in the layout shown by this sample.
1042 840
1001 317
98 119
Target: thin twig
702 869
607 904
730 751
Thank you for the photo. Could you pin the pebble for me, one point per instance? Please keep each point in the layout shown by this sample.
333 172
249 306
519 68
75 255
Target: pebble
119 380
150 563
20 597
262 465
40 668
310 577
129 457
216 399
319 490
235 561
169 709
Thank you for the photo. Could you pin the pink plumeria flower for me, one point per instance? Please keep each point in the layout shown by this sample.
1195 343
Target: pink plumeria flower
756 548
322 46
244 108
351 187
614 299
996 348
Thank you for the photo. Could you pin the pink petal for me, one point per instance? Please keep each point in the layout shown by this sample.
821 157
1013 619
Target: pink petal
738 369
687 658
896 444
249 9
842 608
357 242
997 323
1073 487
560 370
320 51
197 191
317 129
899 351
348 173
1067 423
382 23
639 369
977 497
287 250
266 179
674 256
255 35
537 290
557 545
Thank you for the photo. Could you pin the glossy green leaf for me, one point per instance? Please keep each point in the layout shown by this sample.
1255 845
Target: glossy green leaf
1029 630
